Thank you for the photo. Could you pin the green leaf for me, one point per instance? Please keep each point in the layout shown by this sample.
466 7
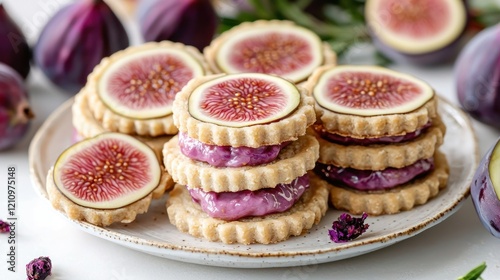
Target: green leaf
474 274
381 59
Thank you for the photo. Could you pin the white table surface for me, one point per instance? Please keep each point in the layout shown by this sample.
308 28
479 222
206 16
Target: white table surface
445 251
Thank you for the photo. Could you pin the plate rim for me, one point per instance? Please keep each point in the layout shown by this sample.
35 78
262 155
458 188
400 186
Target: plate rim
132 241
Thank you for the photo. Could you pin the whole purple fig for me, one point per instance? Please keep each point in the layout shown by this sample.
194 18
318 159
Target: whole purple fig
14 49
75 40
15 111
477 76
191 22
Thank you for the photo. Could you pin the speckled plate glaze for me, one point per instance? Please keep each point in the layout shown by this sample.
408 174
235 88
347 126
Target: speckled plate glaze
153 234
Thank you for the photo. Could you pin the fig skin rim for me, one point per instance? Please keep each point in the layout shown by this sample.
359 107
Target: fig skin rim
97 208
250 75
95 76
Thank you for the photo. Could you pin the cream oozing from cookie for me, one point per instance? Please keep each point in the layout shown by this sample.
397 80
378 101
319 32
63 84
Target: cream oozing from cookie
367 180
341 139
236 205
227 156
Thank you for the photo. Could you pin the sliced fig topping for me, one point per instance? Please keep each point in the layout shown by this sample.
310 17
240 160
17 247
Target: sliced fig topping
240 100
415 27
292 52
143 85
108 171
369 91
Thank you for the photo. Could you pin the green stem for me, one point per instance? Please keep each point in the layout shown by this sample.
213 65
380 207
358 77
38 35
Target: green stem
302 4
324 30
474 274
263 11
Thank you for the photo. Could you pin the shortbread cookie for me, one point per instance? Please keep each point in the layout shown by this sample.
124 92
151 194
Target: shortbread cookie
99 217
88 127
288 128
293 161
132 90
370 122
188 217
391 201
269 46
381 156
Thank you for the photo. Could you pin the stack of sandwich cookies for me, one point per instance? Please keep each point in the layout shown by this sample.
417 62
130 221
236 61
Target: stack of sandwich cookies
132 91
277 47
241 160
379 133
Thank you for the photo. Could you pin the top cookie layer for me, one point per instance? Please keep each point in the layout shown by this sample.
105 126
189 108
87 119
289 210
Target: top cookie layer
368 101
286 128
273 47
132 90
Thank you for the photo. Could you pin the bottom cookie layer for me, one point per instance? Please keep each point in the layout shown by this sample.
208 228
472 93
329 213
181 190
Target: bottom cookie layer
188 217
395 200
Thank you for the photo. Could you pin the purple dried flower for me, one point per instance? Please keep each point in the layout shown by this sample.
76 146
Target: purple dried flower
4 226
347 228
39 268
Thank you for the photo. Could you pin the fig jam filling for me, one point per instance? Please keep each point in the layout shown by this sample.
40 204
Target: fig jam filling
368 180
227 156
232 206
339 139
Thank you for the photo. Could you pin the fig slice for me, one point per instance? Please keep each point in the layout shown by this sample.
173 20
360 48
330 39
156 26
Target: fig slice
283 49
143 84
246 99
416 27
370 91
108 171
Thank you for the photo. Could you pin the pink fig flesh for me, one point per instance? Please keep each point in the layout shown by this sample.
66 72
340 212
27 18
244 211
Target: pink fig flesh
421 32
143 85
240 100
370 90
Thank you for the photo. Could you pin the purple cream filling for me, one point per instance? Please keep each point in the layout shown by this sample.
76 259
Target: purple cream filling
336 138
227 156
232 206
367 180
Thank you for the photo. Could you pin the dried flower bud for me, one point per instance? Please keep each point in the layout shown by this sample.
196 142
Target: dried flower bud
39 268
347 228
4 226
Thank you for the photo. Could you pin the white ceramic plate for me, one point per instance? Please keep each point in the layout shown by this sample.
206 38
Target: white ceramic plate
153 234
